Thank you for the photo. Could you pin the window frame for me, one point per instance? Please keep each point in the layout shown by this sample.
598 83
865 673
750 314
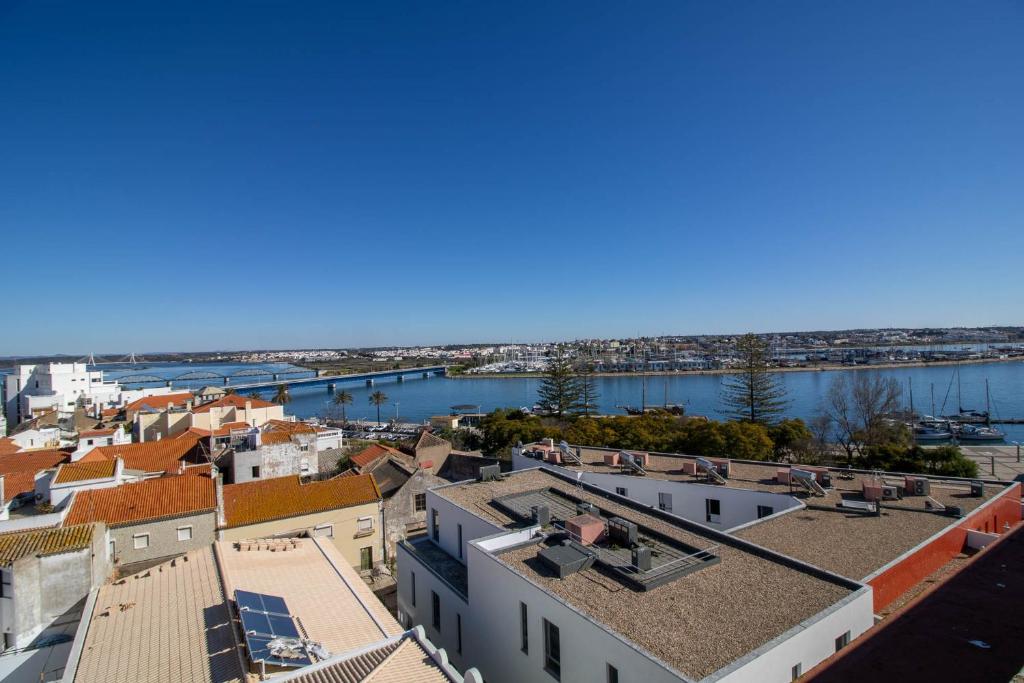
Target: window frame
621 491
552 650
710 503
435 611
419 502
137 537
611 673
765 511
842 641
664 501
187 527
524 628
366 566
413 584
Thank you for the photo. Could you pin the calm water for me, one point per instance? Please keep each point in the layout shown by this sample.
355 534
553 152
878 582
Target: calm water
417 399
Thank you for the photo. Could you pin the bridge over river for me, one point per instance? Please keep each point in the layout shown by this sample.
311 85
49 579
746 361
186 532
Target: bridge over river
264 379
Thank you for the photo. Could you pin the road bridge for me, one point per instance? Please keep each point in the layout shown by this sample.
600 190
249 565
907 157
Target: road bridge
329 380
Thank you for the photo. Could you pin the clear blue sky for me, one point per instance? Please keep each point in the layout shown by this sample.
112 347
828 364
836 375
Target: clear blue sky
253 175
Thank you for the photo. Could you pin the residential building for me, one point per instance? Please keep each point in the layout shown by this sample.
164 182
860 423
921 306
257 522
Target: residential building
156 458
36 438
195 608
535 575
346 509
157 404
280 449
32 390
889 531
404 487
151 520
18 475
89 439
235 408
44 573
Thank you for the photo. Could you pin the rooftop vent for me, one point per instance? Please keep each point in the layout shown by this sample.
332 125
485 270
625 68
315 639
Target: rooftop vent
641 557
541 515
977 488
860 506
621 532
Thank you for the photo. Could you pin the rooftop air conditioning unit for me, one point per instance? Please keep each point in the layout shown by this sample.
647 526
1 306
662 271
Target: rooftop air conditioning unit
490 472
641 557
890 492
977 489
918 486
622 532
825 479
586 509
541 515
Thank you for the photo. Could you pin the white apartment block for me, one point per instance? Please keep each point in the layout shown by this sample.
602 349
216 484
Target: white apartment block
536 576
32 390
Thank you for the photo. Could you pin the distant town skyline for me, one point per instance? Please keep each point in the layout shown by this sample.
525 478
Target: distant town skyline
344 175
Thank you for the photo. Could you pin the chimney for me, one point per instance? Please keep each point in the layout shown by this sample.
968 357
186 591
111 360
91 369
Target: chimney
221 521
248 406
188 405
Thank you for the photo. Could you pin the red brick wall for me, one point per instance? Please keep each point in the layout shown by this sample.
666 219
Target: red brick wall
913 569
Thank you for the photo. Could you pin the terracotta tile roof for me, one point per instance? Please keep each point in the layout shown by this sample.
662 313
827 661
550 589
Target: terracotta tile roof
97 432
288 426
19 469
94 456
283 497
146 500
110 412
273 438
159 402
426 440
371 453
224 430
8 446
152 456
19 544
84 471
232 401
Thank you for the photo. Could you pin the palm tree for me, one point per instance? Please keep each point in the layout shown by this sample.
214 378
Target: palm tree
343 398
282 396
256 396
378 398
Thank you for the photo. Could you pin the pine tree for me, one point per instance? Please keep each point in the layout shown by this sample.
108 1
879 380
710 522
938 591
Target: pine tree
754 394
587 388
559 393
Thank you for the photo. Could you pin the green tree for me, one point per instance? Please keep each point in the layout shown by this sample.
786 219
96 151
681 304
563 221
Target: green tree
791 439
504 428
282 396
753 394
256 396
559 393
378 398
587 385
341 399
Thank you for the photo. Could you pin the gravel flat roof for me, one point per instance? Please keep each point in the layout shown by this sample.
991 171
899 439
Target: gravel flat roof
696 624
849 544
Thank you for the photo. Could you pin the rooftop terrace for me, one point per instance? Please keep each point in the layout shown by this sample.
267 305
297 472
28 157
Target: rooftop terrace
696 623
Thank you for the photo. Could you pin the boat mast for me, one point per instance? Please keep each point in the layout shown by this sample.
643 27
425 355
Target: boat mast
959 400
933 399
910 384
988 408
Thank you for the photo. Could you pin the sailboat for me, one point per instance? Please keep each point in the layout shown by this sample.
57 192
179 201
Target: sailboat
928 431
975 433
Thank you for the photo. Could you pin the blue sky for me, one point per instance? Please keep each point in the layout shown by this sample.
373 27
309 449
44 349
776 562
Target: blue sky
268 175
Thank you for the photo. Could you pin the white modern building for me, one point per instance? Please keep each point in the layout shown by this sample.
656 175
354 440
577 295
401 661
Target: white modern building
32 390
535 575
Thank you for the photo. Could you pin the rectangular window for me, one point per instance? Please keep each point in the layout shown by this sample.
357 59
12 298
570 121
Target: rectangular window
665 502
458 633
412 582
366 558
765 511
141 541
842 641
364 526
435 610
5 586
184 533
435 525
460 541
552 650
111 548
796 671
713 508
255 471
325 530
419 502
613 674
621 490
524 629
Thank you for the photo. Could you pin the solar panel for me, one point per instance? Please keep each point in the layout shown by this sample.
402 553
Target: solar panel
260 602
265 619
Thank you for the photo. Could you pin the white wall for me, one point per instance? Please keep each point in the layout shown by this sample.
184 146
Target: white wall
689 499
451 516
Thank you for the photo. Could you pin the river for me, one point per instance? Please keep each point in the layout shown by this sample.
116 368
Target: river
416 399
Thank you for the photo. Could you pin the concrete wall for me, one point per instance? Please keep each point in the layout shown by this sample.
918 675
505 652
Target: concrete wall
450 517
400 509
277 460
345 535
437 455
163 539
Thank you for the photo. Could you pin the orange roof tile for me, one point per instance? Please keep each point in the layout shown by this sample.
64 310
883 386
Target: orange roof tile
8 446
232 401
19 469
97 432
283 497
19 544
146 500
84 471
159 402
371 453
288 426
152 456
272 438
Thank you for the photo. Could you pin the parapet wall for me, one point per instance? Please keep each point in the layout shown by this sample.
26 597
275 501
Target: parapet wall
908 570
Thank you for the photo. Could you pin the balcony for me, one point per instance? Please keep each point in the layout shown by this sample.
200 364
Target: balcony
440 564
